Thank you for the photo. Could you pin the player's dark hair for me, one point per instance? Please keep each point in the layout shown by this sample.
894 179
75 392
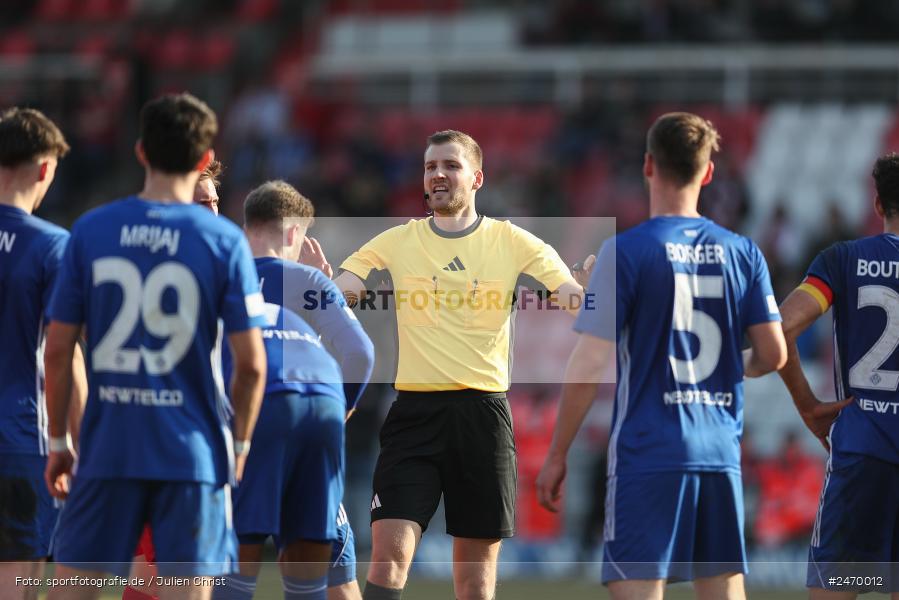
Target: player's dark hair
886 182
471 147
175 131
27 134
274 201
213 172
681 145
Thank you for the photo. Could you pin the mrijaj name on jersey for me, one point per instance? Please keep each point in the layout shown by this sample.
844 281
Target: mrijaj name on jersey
878 268
700 254
152 237
705 397
141 396
878 406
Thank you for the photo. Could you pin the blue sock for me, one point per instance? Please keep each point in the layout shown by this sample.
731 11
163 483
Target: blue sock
236 587
305 589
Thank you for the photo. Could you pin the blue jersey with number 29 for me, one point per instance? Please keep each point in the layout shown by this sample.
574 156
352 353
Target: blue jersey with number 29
677 295
150 282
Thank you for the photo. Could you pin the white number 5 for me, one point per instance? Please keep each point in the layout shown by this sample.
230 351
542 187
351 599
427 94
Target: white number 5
692 320
144 300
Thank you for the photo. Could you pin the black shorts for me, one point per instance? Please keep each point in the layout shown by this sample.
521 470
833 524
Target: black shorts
456 443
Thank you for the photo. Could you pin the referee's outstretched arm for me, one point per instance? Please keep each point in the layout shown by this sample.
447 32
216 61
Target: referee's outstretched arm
570 296
351 286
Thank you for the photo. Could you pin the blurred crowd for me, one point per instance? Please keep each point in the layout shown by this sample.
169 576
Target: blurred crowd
710 21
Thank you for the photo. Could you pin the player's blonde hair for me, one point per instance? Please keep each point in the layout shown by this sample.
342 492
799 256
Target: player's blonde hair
469 145
681 145
273 202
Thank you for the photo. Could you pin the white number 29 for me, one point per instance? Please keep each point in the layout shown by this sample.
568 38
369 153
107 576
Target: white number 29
866 374
692 320
144 300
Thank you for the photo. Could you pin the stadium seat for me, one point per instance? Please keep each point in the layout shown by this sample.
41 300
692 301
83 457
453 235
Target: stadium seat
255 11
55 10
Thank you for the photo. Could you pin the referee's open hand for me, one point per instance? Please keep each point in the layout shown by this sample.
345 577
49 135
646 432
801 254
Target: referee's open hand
549 483
581 271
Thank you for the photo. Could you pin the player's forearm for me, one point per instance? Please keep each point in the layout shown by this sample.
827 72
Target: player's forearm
795 380
78 398
247 387
356 355
753 366
577 397
58 366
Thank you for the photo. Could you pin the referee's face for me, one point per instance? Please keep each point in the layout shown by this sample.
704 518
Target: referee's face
450 180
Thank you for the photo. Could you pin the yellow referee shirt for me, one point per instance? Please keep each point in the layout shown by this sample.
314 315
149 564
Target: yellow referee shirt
453 296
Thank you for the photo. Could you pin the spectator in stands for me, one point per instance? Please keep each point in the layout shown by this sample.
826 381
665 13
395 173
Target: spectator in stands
780 244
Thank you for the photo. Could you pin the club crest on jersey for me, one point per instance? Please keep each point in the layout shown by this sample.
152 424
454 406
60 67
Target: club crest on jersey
152 237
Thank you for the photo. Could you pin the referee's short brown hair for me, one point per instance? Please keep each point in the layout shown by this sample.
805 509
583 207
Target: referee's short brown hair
26 134
681 144
272 202
471 147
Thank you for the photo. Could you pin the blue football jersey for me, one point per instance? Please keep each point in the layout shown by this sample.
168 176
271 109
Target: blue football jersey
297 360
863 277
684 292
309 293
30 252
151 282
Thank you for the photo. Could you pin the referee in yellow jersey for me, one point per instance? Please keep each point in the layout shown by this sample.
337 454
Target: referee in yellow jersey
450 431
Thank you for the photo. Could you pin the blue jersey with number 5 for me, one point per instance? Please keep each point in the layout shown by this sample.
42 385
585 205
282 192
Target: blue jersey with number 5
151 282
677 295
863 278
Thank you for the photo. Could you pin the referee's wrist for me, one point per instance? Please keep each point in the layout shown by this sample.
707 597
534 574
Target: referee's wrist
62 443
241 447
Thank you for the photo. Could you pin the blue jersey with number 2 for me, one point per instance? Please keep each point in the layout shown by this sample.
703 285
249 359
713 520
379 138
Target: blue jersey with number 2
863 278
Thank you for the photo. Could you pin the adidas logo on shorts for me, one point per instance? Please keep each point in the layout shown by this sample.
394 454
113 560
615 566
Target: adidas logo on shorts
375 502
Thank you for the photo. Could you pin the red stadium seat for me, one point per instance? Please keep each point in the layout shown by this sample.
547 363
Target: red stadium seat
101 10
55 10
213 51
174 51
94 46
256 10
17 46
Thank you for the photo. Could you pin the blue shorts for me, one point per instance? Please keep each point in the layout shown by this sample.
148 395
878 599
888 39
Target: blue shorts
855 542
343 556
673 526
102 521
293 481
28 513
